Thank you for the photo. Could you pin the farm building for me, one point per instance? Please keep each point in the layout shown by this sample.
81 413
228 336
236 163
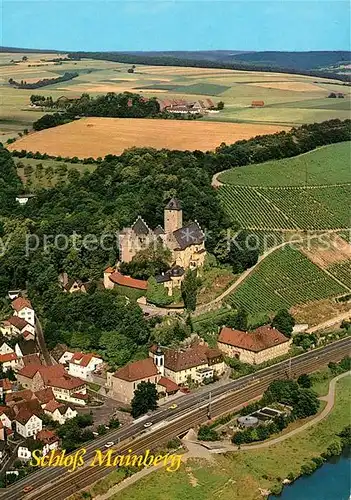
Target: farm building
260 345
257 104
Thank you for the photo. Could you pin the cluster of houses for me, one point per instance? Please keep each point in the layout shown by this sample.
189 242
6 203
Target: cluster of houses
29 389
184 107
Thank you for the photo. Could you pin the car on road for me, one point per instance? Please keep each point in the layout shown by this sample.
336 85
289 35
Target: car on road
28 488
109 444
173 406
148 424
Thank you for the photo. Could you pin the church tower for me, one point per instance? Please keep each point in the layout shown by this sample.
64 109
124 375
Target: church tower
173 216
159 360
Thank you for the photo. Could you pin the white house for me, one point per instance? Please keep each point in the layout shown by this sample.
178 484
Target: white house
47 438
23 199
14 325
9 360
27 423
23 309
59 412
83 365
6 415
5 348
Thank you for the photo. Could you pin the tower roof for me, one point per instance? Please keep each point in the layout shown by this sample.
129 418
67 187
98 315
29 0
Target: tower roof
173 204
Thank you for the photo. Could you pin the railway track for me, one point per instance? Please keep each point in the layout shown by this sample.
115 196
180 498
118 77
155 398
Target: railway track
58 484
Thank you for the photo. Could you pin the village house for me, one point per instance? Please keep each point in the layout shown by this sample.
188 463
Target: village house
14 326
84 365
44 396
255 347
72 285
195 364
168 369
25 348
5 348
59 412
6 387
27 423
23 199
64 386
6 416
8 361
23 309
44 440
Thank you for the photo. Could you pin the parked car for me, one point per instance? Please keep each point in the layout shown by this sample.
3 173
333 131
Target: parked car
173 406
148 424
109 444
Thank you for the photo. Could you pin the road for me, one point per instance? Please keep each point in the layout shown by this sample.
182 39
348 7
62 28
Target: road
193 409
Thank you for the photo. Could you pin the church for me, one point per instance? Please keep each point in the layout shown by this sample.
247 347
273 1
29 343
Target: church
186 242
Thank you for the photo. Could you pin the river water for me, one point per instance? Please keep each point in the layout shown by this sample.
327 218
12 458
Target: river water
329 482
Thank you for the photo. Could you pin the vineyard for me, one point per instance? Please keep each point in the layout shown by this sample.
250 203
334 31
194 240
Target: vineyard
282 280
288 208
342 271
325 165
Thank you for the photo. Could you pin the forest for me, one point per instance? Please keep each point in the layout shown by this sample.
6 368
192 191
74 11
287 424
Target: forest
44 82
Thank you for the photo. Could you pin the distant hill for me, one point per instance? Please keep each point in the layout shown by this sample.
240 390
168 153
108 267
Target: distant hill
295 60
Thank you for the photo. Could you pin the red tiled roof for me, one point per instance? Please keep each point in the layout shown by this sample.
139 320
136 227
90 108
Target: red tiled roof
109 270
26 333
46 436
144 368
31 359
19 303
53 405
45 395
10 356
168 384
33 405
82 359
262 338
6 384
7 411
79 395
119 279
66 382
25 395
24 415
17 322
183 359
30 370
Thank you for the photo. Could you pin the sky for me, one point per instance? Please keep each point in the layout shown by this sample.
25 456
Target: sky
122 25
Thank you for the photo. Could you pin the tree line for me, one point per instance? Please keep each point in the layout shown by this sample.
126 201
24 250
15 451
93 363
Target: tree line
44 82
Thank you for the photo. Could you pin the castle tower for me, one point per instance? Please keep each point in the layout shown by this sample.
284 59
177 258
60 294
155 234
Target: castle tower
159 360
173 216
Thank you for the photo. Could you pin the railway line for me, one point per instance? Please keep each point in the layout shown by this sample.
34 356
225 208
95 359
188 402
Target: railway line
57 484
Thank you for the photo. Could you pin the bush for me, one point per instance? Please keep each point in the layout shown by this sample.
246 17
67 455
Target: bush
308 468
207 434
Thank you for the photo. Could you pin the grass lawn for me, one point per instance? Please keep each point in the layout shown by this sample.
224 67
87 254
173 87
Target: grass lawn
325 165
237 476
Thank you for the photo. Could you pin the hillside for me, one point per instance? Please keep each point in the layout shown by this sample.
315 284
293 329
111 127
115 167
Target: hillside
274 195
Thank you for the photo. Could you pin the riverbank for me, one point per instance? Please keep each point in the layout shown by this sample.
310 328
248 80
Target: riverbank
247 474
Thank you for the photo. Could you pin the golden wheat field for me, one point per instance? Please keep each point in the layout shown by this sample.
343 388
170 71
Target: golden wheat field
94 137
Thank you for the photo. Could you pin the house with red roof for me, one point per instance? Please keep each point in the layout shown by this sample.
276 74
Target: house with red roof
9 360
64 386
84 365
27 422
254 347
45 441
59 412
14 325
23 309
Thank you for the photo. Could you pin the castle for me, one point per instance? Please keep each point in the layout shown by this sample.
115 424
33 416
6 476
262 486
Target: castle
186 243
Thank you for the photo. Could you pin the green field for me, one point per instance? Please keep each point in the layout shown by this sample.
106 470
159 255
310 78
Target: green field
287 208
284 94
325 165
241 475
284 279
